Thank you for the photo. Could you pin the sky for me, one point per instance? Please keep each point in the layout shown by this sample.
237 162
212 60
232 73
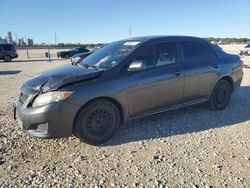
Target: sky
101 21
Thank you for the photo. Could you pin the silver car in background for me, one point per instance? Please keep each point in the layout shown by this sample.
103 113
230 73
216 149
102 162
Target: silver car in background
245 50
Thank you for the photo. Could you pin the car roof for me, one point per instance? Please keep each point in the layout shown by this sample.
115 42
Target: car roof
147 38
7 44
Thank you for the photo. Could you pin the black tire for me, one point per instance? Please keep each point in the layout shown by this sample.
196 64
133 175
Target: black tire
97 122
66 56
220 96
7 58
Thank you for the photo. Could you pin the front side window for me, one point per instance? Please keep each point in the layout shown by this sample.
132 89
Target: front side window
159 55
111 54
196 50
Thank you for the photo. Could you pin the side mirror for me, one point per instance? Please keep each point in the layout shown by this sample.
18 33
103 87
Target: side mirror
136 66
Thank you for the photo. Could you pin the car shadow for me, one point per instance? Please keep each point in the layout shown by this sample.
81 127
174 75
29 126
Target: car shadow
186 120
9 72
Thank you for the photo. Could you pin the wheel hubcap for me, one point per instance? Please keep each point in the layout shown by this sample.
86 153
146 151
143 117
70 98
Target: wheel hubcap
7 58
222 95
99 122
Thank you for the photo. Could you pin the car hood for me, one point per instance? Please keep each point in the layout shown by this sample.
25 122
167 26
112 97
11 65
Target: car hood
59 77
63 51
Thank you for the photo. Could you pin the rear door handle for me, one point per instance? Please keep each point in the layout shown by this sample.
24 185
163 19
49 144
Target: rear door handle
177 72
216 66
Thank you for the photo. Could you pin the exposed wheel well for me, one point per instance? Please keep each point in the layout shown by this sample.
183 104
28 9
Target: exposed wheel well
230 80
115 102
227 78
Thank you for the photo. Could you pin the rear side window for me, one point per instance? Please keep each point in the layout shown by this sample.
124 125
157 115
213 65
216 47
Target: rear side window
196 50
7 47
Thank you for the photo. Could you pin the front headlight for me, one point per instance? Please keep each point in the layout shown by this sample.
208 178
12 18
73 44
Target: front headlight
75 59
50 97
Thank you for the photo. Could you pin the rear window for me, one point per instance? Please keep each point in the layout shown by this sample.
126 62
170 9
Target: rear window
7 47
196 50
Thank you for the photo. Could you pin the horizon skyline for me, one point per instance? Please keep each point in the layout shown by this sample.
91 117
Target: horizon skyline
25 39
106 21
10 39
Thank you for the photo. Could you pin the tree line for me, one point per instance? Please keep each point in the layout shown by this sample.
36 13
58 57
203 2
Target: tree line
91 46
229 40
63 45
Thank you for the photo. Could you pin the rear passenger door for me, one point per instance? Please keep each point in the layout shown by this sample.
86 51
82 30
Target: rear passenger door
202 68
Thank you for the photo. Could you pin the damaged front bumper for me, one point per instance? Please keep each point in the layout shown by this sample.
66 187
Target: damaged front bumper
49 121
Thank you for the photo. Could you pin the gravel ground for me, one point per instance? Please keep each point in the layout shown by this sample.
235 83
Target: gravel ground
189 147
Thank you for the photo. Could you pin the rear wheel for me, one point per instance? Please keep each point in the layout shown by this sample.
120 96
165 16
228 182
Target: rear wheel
97 122
220 96
7 58
66 56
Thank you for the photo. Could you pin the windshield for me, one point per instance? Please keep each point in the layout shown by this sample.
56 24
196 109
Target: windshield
111 54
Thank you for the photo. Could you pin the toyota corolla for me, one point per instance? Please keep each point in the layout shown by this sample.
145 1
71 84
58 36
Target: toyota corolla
125 80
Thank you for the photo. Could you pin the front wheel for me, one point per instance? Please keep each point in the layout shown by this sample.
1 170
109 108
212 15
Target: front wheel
97 122
220 96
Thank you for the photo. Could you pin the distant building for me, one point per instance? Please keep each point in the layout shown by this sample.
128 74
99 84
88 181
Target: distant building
5 41
19 42
9 37
30 42
22 41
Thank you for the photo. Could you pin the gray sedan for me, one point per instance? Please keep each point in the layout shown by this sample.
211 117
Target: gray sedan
125 80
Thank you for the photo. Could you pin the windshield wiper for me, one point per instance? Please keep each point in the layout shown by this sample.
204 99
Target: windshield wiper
87 66
93 66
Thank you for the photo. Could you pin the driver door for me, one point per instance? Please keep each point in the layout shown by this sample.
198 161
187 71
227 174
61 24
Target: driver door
160 85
